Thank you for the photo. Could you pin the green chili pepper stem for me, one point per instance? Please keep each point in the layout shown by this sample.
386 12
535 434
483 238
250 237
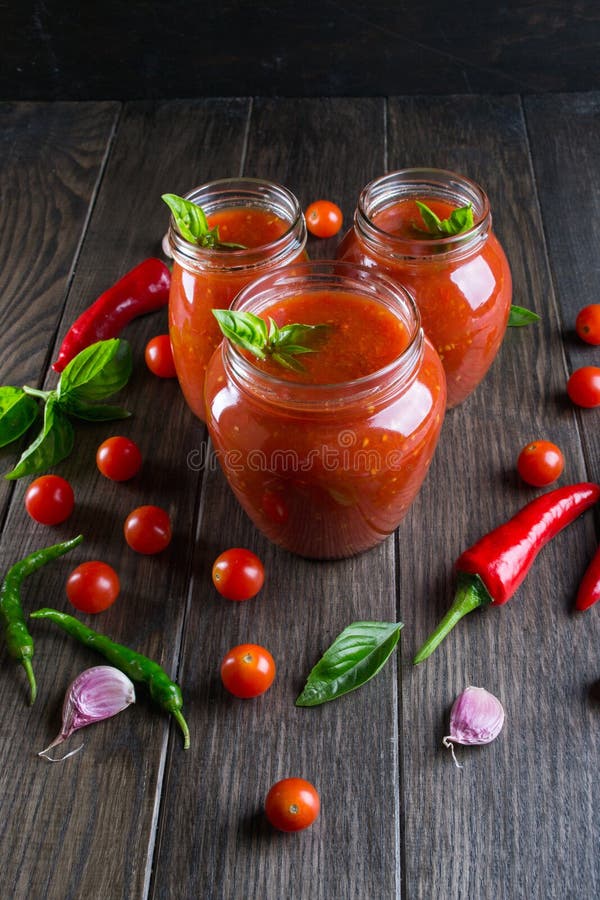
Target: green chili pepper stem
26 663
178 716
470 594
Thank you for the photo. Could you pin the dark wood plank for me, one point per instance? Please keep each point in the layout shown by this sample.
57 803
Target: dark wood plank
52 156
284 49
214 838
516 822
87 828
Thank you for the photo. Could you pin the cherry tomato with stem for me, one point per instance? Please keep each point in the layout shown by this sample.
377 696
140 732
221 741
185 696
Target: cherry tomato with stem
49 500
583 387
118 458
147 529
587 323
292 804
93 586
159 356
540 463
323 218
238 574
248 670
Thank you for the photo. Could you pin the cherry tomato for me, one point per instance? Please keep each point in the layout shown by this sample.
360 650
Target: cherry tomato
540 463
49 499
323 218
118 458
148 529
583 387
292 804
248 670
587 323
238 574
93 586
159 356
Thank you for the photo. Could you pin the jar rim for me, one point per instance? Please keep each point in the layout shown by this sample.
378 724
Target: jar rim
401 184
223 193
314 276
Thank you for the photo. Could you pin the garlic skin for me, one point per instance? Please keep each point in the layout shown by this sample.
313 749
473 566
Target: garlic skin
96 694
476 717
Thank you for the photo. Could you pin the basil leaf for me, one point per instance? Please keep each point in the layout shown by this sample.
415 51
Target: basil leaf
96 372
460 220
53 443
96 412
17 412
192 224
356 655
251 333
244 329
519 316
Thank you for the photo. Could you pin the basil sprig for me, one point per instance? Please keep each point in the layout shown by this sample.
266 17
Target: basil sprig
356 655
268 340
519 316
461 220
94 374
192 224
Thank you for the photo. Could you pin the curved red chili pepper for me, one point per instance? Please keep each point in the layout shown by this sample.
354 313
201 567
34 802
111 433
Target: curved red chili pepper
142 290
589 589
493 568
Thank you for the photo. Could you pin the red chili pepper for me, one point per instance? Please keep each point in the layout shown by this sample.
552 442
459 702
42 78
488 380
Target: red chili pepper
142 290
492 569
589 589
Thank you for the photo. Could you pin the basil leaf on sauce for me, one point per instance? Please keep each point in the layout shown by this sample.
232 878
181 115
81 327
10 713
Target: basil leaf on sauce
251 333
356 656
192 224
519 316
17 413
460 220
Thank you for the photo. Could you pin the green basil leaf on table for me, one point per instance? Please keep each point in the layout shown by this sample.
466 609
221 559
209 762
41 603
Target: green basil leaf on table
17 413
53 443
356 655
519 316
96 412
97 372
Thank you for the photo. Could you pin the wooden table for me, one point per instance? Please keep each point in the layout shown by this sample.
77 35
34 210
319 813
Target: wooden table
133 815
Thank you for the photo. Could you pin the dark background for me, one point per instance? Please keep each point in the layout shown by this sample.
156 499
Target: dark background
116 50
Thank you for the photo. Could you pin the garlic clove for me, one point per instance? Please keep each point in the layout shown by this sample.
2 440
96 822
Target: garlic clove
476 718
96 694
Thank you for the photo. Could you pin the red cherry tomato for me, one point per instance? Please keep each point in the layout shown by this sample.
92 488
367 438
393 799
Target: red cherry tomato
587 323
93 586
159 356
323 218
292 804
540 463
238 574
583 387
49 499
248 670
148 529
118 458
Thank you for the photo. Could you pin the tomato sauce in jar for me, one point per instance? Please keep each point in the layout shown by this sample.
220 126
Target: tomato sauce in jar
327 461
461 283
263 217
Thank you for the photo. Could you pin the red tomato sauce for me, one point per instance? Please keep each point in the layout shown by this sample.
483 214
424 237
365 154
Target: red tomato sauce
362 336
192 327
332 476
463 296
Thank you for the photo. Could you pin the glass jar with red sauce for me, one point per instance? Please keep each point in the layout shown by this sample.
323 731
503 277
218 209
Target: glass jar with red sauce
262 216
327 461
461 283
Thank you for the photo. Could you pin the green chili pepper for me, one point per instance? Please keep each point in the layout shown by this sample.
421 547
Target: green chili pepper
139 668
18 638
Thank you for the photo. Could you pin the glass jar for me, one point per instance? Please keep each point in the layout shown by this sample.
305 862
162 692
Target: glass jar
263 216
461 283
325 467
